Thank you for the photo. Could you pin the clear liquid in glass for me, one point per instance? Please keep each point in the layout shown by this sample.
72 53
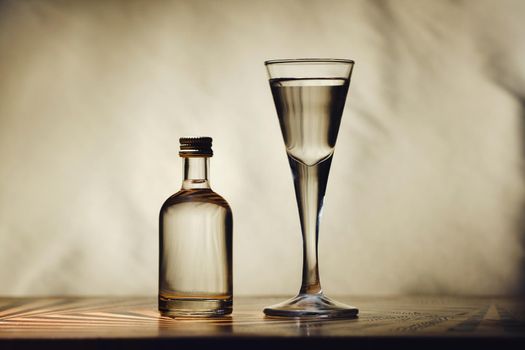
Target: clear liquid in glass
309 113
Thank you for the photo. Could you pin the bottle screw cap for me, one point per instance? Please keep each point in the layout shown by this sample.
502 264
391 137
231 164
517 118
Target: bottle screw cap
195 147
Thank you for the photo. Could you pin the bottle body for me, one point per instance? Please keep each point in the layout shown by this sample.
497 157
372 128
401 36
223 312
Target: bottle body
195 255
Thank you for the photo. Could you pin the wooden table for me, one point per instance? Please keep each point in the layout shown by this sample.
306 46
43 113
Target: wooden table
393 322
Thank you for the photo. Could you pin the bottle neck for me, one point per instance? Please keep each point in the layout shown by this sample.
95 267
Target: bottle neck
196 172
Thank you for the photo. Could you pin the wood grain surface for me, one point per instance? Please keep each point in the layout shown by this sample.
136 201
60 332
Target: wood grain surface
389 321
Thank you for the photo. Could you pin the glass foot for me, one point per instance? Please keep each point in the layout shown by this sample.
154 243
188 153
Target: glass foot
311 306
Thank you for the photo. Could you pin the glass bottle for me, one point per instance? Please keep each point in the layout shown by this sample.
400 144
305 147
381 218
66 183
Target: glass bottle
195 226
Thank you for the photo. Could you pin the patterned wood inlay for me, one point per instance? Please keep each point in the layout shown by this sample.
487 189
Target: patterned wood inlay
63 319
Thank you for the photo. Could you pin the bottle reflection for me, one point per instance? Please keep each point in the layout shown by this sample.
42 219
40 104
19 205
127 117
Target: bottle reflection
194 327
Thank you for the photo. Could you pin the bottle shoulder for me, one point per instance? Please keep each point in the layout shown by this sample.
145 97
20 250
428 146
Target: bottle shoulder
204 195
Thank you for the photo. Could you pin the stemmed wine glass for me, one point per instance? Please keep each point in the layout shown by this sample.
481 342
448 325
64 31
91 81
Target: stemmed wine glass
309 96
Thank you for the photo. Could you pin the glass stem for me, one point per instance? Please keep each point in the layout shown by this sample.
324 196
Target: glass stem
310 187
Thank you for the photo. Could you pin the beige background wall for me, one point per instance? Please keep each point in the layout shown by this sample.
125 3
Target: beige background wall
426 193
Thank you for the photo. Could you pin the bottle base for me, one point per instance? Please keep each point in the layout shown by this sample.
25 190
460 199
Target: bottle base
193 307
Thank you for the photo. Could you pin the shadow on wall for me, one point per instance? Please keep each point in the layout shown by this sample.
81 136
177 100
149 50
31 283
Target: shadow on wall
521 227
